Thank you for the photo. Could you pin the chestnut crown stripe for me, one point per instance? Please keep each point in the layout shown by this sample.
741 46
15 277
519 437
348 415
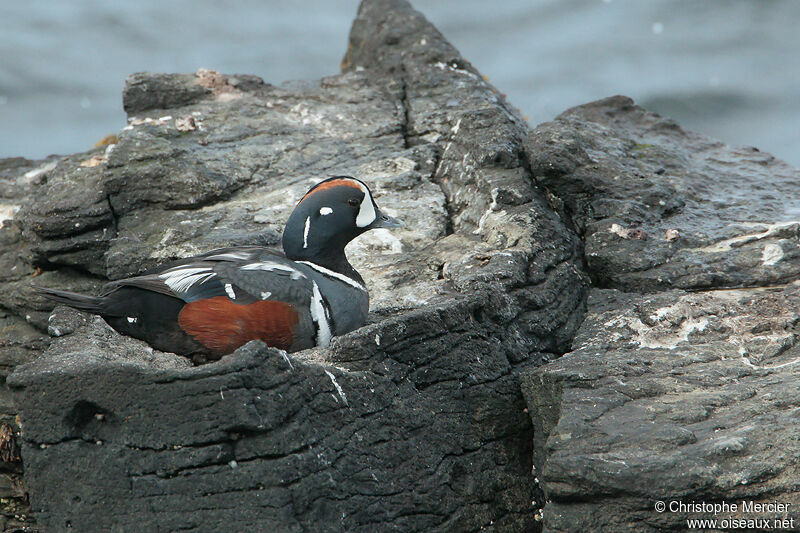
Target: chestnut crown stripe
330 184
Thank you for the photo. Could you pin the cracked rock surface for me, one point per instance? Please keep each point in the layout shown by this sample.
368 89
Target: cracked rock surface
682 382
660 208
415 422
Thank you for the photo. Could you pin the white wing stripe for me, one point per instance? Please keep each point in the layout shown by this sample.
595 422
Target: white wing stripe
231 256
229 290
181 280
273 266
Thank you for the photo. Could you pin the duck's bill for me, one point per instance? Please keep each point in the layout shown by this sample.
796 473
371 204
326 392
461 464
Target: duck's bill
382 220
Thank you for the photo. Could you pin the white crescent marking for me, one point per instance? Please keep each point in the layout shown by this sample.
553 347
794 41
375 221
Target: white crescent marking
366 212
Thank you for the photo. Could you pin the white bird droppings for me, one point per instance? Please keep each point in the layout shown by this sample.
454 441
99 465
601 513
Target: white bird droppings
39 171
7 211
772 254
338 387
286 358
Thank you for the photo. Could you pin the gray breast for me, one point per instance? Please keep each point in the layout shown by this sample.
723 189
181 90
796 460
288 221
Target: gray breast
347 301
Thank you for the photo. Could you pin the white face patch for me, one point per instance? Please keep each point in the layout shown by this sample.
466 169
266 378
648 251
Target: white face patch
325 211
265 295
366 211
319 314
305 232
229 291
132 320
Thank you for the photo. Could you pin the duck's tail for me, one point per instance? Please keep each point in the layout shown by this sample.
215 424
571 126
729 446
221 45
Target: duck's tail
90 304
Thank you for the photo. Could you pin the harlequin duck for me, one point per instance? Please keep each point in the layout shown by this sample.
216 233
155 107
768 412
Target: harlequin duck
215 302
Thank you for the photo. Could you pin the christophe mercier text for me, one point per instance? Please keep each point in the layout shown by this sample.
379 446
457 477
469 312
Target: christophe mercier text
744 506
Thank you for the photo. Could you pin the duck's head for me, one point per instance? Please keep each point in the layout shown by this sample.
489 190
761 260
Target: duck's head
330 215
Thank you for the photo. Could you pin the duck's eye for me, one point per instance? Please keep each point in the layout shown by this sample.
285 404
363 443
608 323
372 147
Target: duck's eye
354 202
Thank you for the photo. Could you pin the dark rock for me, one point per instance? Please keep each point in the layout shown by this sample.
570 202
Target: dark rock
617 168
262 437
19 342
414 422
145 91
671 396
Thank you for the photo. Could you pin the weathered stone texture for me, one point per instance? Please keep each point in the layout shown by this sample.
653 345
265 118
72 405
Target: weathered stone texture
669 395
662 208
677 382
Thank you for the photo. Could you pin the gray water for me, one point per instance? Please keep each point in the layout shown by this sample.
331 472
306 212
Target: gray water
727 68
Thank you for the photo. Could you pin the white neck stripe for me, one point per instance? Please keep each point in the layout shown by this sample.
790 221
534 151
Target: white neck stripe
331 273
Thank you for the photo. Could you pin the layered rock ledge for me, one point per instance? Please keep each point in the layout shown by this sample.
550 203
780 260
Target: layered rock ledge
576 322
